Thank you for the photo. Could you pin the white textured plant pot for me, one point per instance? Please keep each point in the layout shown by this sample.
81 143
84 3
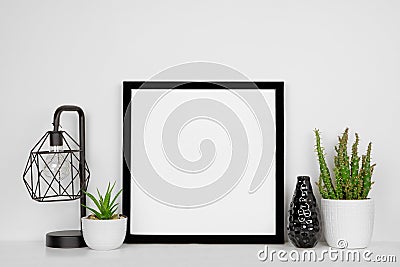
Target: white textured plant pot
104 234
348 223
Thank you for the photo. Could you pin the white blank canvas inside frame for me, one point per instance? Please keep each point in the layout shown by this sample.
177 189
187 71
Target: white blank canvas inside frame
190 152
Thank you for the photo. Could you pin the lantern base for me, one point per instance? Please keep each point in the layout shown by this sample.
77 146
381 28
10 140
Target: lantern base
65 239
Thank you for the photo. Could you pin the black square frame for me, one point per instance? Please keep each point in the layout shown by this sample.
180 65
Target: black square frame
278 237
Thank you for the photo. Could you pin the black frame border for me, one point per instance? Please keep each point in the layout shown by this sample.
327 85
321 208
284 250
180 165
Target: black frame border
278 238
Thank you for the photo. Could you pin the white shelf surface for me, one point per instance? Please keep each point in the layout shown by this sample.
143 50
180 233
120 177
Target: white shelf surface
13 253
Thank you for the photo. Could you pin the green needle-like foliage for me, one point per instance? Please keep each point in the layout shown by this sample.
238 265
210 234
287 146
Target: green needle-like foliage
106 207
344 169
367 173
355 168
322 189
351 181
324 170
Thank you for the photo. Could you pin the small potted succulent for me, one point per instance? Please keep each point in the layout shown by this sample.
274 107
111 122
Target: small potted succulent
347 212
104 229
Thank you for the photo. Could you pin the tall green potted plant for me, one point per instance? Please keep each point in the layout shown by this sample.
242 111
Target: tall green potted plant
347 212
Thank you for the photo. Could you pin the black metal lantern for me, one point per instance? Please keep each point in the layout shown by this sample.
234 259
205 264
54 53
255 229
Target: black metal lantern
57 171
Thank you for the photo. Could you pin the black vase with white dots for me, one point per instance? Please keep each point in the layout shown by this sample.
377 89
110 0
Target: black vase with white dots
304 221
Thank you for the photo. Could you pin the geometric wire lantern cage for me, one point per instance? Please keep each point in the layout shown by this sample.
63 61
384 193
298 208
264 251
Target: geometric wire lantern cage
56 170
52 173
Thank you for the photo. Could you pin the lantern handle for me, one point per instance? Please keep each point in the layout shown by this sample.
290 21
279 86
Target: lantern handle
82 157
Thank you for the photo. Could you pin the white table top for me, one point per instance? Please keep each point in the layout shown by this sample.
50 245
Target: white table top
13 253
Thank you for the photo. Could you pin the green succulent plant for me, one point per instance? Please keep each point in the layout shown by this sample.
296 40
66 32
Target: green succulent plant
106 207
352 174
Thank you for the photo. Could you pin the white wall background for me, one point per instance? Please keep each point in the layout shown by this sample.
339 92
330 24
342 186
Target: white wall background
340 60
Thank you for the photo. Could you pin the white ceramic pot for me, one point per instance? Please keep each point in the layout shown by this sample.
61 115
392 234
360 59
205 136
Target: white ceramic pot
348 223
104 234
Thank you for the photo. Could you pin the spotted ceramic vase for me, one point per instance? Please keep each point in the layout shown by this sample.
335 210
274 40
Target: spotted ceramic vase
304 221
